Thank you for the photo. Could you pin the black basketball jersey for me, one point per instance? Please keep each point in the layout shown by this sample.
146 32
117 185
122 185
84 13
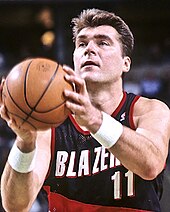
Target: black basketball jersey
83 171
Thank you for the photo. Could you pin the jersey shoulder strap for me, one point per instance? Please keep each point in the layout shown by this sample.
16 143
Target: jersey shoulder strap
124 112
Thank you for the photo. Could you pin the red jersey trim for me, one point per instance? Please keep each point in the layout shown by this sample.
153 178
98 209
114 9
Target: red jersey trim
131 121
77 126
59 203
120 104
52 150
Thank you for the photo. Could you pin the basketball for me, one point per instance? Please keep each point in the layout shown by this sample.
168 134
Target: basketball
33 94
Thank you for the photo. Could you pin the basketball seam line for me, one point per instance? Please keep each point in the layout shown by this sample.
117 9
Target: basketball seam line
43 93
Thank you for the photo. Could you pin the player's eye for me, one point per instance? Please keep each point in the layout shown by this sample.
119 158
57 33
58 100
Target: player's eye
103 43
81 44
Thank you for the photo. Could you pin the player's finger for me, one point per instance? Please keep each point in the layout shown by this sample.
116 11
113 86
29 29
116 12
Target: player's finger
73 96
1 88
79 83
75 108
73 78
3 113
69 70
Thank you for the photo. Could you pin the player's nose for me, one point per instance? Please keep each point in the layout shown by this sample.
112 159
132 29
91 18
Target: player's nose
90 48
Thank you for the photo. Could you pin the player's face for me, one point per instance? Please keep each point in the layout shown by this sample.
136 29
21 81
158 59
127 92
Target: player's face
98 55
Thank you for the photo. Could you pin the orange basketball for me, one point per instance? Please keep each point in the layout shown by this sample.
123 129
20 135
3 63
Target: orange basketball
33 94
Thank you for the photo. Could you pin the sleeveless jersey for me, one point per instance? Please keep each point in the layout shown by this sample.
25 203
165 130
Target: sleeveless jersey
84 176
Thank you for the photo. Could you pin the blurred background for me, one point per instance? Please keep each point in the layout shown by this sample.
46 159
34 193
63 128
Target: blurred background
41 28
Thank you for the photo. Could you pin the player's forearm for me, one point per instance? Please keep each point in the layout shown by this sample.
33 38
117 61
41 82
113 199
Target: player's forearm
139 154
18 176
18 190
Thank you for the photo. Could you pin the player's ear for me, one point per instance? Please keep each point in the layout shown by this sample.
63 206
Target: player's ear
127 63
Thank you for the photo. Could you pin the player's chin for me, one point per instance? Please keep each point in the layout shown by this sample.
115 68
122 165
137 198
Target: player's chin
87 73
92 77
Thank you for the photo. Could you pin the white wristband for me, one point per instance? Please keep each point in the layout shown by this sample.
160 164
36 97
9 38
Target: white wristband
109 131
21 162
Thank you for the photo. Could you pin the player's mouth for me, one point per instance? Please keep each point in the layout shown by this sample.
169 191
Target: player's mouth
89 63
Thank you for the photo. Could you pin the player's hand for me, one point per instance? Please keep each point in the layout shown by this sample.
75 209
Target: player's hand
78 101
26 136
1 88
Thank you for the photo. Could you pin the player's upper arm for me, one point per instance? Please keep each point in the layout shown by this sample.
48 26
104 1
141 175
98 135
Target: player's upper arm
154 122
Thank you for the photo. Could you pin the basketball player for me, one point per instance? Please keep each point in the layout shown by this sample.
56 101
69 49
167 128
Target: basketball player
109 155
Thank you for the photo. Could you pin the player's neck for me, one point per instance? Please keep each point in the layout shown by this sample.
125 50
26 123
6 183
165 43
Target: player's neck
105 99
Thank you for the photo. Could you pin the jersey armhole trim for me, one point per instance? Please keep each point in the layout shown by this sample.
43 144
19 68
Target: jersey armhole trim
131 121
52 150
77 126
114 114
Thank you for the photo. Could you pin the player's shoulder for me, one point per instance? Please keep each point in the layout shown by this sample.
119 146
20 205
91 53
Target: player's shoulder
144 105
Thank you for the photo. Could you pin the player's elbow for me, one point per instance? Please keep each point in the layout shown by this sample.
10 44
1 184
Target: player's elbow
11 206
150 175
15 209
152 171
